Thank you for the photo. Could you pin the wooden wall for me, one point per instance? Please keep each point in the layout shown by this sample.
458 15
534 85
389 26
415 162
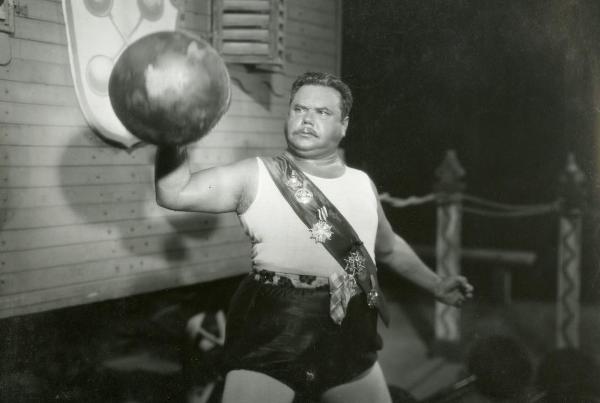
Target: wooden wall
78 219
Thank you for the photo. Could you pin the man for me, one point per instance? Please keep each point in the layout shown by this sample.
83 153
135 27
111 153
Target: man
285 334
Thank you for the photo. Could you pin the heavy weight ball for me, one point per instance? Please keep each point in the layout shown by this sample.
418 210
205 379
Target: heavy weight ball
169 88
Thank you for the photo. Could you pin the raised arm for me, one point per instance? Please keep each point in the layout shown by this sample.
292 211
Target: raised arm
393 252
214 190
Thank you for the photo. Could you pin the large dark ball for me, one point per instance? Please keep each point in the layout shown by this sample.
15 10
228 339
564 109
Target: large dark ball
169 88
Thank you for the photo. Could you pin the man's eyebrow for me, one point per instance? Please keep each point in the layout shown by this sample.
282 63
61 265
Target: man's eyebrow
318 108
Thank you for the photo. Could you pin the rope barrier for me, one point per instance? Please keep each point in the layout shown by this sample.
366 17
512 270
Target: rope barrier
570 211
508 214
509 210
409 201
490 210
504 206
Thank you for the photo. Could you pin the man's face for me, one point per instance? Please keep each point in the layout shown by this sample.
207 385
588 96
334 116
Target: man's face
315 126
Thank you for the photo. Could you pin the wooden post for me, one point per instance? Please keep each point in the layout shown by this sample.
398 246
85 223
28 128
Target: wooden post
572 195
448 243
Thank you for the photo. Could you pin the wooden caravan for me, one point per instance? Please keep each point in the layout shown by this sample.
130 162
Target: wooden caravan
79 222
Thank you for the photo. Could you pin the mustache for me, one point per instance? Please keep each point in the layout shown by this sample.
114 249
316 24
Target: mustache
305 130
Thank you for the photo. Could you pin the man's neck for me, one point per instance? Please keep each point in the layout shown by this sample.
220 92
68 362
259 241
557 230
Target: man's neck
326 166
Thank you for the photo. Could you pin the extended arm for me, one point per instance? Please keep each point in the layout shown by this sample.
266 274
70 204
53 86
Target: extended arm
214 190
392 251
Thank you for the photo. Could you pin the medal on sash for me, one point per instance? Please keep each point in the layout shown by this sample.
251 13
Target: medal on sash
355 265
303 195
321 231
293 182
372 298
373 295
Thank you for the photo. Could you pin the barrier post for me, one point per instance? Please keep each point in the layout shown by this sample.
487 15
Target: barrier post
572 194
448 190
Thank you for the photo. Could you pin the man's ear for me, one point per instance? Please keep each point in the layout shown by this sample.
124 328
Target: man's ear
345 122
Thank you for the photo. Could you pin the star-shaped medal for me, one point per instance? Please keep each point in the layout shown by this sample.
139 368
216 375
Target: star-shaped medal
321 231
355 264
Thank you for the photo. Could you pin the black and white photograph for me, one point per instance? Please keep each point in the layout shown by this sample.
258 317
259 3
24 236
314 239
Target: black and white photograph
299 201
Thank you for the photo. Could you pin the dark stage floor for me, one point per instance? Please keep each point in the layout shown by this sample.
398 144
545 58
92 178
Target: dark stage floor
136 350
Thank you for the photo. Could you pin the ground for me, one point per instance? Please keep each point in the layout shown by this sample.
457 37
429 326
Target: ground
137 350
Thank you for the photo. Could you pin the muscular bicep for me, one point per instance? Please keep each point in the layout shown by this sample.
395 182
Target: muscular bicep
219 189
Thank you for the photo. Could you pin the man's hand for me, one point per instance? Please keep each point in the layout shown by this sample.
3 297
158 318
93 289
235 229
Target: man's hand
453 290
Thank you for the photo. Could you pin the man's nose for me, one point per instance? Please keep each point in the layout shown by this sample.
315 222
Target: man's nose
308 117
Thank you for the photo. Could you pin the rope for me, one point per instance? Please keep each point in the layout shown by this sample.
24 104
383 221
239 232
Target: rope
518 213
509 210
504 206
490 208
409 201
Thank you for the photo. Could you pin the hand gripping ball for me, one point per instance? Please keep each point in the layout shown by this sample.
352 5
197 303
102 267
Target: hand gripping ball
169 88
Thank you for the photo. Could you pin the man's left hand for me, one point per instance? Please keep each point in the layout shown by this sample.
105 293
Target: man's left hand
453 290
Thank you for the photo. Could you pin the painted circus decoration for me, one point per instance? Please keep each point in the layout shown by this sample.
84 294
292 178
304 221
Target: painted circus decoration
99 32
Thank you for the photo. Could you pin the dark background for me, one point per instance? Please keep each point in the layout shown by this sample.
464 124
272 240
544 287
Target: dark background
512 86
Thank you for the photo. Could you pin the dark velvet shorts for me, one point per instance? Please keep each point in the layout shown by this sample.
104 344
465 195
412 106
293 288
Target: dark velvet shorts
287 333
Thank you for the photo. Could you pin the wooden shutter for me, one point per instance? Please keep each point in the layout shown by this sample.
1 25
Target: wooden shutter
249 31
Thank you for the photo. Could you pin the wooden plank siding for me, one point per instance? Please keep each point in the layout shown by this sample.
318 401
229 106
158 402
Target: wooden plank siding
78 218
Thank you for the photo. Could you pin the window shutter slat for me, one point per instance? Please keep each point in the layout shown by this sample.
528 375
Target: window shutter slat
239 48
250 31
258 35
247 5
245 20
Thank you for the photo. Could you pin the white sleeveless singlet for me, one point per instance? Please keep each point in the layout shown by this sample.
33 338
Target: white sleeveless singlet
281 241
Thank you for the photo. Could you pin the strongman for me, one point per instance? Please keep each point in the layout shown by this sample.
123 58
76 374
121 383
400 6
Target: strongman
304 320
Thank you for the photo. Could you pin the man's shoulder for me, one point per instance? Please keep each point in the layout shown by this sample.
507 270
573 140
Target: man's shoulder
357 172
354 169
360 175
244 164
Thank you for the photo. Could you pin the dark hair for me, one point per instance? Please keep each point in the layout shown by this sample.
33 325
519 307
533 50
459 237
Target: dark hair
326 80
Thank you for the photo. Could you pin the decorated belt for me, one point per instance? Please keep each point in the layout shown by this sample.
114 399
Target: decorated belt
291 280
341 286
